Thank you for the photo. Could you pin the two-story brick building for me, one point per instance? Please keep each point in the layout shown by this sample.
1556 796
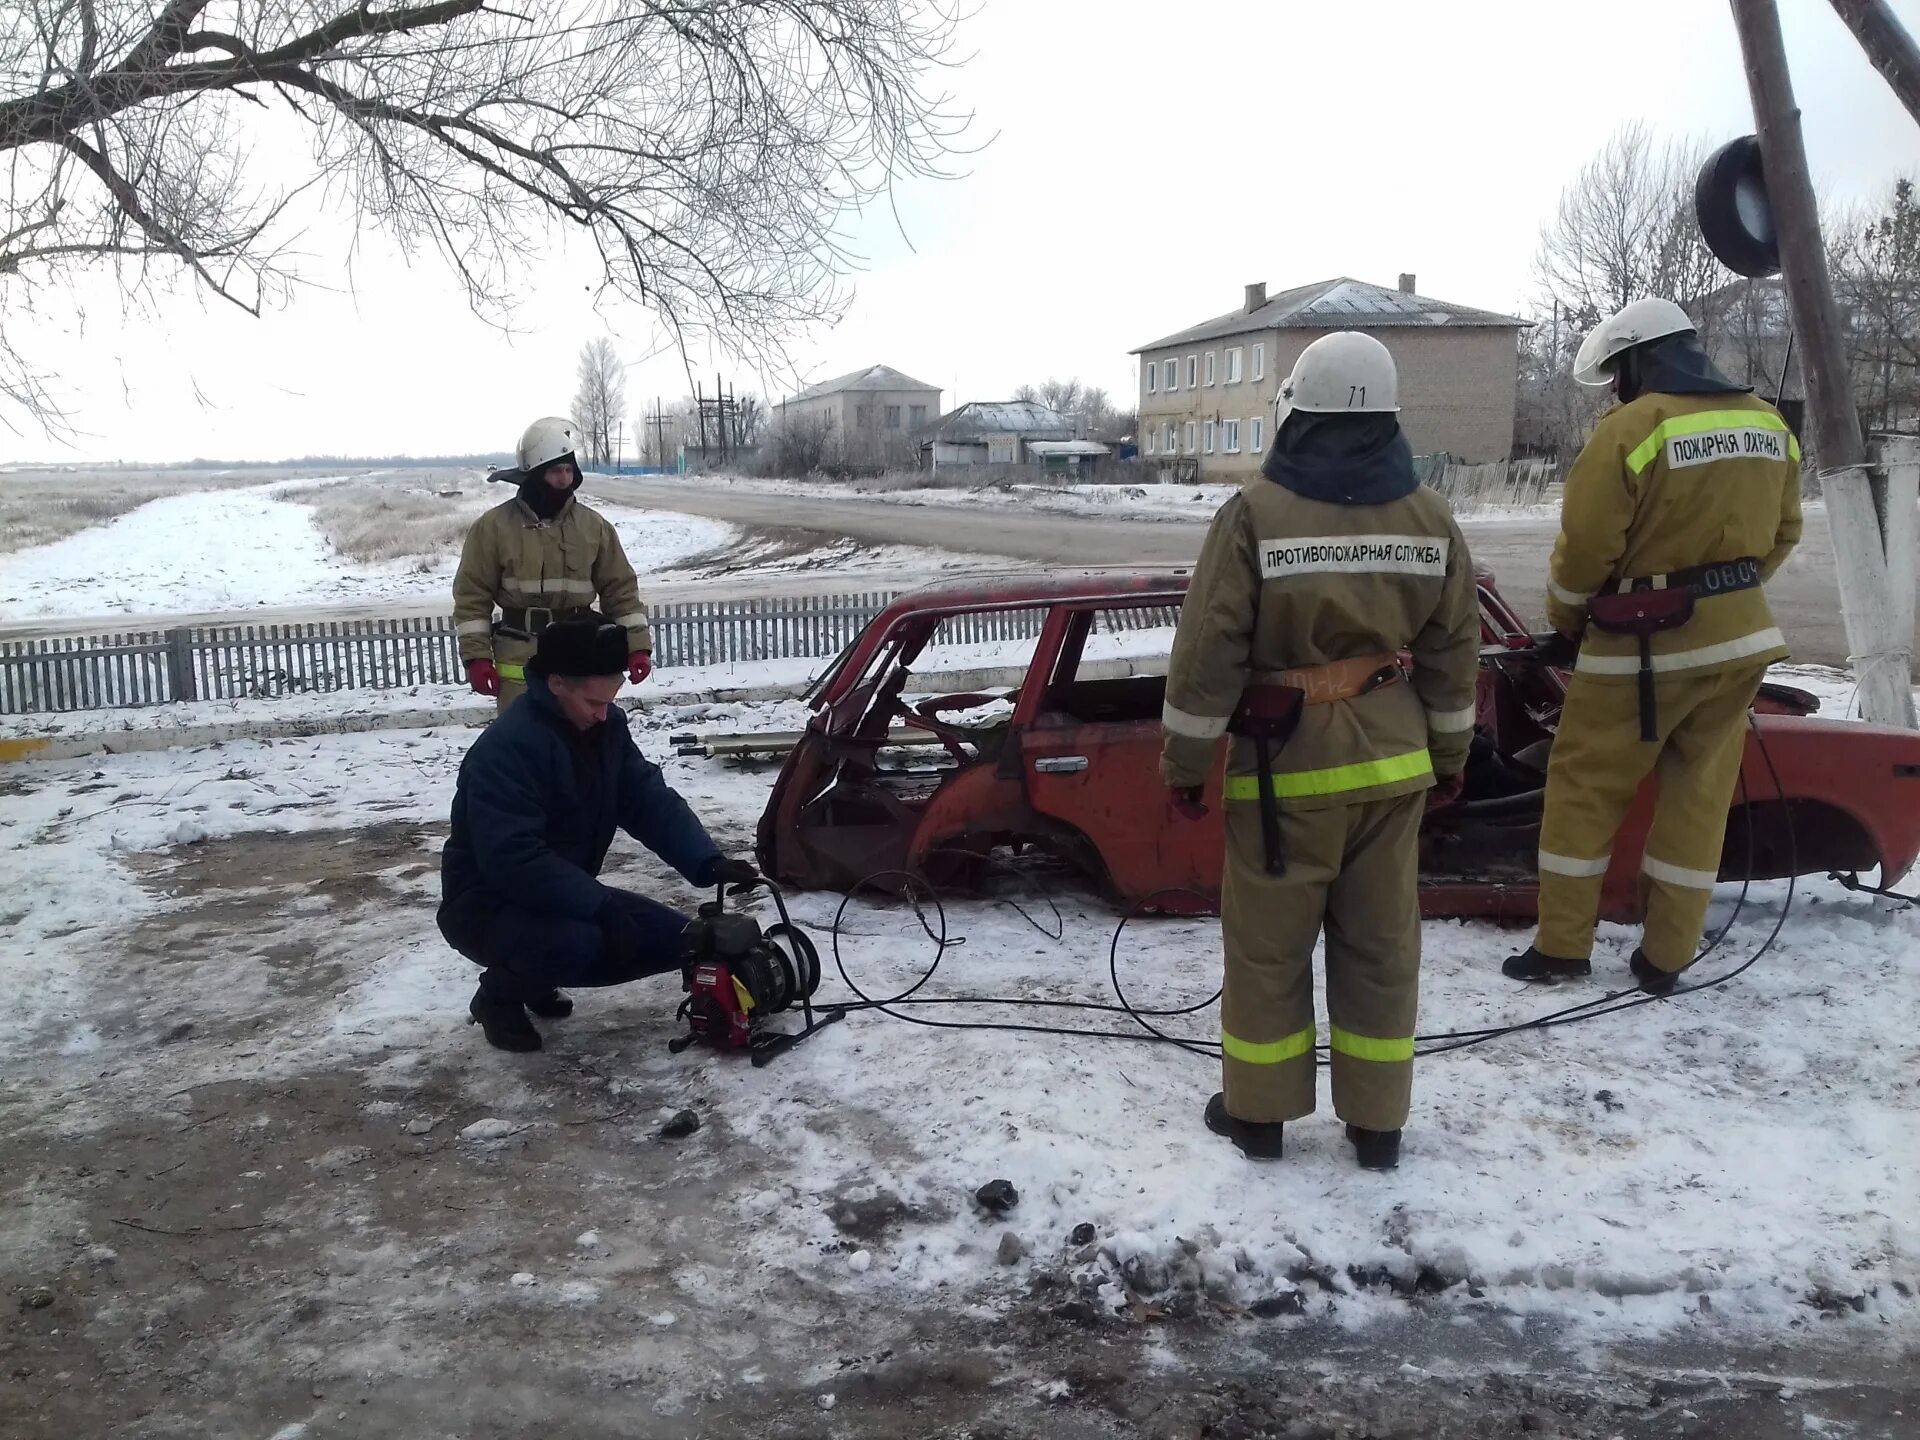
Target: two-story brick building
1206 394
874 415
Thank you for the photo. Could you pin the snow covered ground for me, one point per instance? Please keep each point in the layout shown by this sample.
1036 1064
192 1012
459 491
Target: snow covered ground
237 549
1731 1164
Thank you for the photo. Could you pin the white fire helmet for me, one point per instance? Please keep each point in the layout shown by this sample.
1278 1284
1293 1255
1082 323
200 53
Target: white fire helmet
546 441
1345 373
1635 324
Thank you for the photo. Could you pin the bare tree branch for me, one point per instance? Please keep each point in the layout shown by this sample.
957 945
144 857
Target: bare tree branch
710 150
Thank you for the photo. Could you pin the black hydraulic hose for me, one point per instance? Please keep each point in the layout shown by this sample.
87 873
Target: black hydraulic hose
1436 1044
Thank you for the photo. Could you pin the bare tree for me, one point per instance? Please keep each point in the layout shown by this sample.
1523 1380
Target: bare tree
1876 270
749 420
1625 229
601 399
708 149
798 445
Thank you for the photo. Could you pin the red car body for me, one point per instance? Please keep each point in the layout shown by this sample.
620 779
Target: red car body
1069 767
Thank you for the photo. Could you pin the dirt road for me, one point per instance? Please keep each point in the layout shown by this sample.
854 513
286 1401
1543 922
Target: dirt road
1805 595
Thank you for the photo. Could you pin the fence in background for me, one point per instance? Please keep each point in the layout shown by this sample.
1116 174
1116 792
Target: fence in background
232 662
1501 485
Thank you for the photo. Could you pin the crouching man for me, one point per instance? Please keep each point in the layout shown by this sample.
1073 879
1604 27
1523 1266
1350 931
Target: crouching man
539 797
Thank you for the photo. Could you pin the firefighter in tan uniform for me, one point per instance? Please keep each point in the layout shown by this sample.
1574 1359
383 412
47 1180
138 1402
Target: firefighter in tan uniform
541 557
1684 501
1312 582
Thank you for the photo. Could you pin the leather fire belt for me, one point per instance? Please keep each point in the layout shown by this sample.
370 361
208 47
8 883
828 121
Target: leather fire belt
1269 713
1643 607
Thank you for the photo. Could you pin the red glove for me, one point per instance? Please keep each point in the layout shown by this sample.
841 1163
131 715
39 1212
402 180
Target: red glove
639 665
1446 791
484 679
1185 800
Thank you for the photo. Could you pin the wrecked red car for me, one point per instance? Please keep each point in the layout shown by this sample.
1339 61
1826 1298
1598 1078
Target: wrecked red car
939 773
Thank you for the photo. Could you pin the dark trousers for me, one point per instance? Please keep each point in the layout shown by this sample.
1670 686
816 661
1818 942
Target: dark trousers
526 954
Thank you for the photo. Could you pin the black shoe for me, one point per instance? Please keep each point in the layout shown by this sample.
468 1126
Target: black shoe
1257 1141
1531 965
1653 980
554 1005
504 1021
1375 1149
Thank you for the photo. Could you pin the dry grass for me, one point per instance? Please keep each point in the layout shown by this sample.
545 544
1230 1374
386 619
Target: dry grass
415 517
38 507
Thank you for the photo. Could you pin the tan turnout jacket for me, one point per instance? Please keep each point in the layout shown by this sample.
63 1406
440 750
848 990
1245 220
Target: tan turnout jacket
1666 483
514 559
1285 581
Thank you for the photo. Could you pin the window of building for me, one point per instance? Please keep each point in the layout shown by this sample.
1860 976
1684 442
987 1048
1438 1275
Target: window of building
1193 371
1206 436
1190 436
917 416
1256 434
1233 366
1150 442
1153 377
863 416
1209 367
893 417
1230 436
1259 362
1170 380
1169 437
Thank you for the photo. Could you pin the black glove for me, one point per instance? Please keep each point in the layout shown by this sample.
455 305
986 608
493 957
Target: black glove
723 870
1557 649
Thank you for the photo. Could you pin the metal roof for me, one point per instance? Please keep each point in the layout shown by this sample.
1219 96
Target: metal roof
1067 447
874 377
1342 304
980 418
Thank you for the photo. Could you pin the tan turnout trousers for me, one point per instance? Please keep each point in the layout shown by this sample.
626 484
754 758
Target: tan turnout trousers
1352 869
1597 765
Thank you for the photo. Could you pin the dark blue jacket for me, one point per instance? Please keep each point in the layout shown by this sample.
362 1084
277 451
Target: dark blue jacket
537 804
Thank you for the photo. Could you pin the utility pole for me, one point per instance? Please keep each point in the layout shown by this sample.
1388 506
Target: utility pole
1857 513
1888 46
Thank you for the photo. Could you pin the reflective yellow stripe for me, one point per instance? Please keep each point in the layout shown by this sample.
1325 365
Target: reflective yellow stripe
1642 454
513 672
1367 1047
1269 1052
1338 779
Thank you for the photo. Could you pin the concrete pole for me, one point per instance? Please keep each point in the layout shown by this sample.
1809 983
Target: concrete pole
1881 653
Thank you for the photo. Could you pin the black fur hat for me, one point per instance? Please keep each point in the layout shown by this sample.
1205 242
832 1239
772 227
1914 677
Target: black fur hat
580 648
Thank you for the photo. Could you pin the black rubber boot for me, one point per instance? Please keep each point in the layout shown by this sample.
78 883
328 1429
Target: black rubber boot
1652 979
1257 1141
1375 1149
554 1005
1541 969
504 1021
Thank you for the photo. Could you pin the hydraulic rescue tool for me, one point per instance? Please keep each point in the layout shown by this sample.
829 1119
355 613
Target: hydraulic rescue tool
737 976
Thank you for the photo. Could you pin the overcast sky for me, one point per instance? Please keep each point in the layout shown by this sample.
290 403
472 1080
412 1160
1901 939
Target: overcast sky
1145 162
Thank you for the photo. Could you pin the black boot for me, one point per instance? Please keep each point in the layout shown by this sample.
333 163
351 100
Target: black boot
554 1005
1653 980
504 1021
1532 965
1257 1141
1375 1149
